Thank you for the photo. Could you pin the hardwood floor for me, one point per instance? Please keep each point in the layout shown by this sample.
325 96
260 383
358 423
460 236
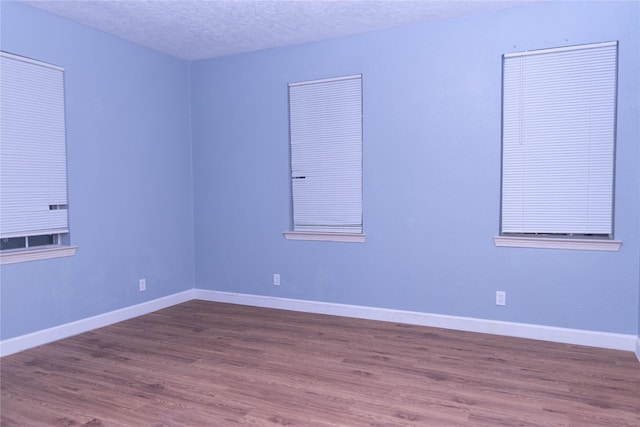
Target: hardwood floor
211 364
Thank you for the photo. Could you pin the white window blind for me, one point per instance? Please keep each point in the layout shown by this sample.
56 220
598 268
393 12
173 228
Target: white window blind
559 113
33 173
326 155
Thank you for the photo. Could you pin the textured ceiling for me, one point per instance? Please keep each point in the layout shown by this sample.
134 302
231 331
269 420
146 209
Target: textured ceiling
200 29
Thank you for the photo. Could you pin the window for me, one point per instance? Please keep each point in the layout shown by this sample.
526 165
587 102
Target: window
558 138
33 171
326 159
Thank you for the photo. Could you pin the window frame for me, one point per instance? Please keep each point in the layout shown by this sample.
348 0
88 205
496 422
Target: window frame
55 206
304 98
560 238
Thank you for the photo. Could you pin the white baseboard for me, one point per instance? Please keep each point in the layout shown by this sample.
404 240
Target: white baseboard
521 330
24 342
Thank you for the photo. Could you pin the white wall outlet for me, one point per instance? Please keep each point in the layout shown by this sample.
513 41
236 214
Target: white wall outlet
142 285
276 279
501 298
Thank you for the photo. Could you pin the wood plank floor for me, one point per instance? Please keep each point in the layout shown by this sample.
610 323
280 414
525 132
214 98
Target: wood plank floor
211 364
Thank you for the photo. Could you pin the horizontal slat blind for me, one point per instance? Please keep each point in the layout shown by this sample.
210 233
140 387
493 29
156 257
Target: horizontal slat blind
33 180
559 110
326 154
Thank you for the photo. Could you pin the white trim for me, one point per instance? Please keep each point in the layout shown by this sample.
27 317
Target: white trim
48 252
560 49
326 237
558 243
24 342
332 79
495 327
521 330
30 61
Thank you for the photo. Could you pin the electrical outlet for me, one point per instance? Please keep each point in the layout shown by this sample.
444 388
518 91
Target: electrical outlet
501 298
142 285
276 279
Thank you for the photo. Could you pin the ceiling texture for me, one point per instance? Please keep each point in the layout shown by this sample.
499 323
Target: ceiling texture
201 29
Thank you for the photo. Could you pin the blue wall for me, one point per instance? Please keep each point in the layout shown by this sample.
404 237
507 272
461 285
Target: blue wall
432 111
179 173
129 168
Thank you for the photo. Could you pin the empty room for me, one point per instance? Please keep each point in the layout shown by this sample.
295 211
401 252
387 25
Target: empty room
320 213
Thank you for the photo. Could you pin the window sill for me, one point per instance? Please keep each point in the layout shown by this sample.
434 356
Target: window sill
558 243
327 237
48 252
